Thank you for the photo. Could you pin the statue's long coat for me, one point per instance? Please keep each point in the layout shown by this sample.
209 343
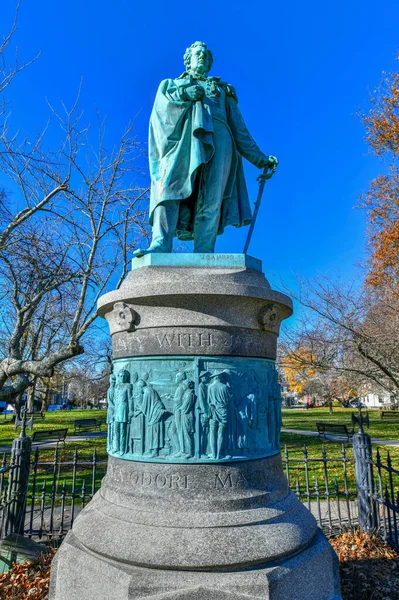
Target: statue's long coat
180 141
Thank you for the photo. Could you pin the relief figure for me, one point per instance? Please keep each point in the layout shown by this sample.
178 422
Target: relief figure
110 411
203 409
136 416
274 414
263 424
219 400
176 428
153 411
122 401
278 417
247 411
187 419
233 384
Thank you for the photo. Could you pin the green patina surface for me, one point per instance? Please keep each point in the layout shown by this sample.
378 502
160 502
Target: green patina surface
197 260
202 409
197 140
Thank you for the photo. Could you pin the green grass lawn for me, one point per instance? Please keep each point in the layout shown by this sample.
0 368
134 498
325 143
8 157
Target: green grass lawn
306 419
53 420
61 470
56 465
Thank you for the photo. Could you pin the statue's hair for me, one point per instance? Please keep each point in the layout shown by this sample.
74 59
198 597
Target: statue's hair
187 54
125 371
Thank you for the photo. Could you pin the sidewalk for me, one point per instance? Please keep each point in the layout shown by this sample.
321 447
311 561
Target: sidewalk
99 434
338 438
68 440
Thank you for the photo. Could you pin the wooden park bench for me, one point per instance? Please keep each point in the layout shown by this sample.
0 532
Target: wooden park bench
87 424
389 415
46 435
36 414
334 429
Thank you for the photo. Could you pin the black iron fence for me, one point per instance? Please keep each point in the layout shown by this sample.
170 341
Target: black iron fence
59 486
342 486
383 491
325 484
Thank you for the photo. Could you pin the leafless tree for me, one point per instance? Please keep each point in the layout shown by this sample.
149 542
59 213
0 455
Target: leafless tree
348 330
64 237
10 63
66 233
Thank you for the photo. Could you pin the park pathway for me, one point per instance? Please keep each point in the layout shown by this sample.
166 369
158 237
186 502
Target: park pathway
338 438
100 434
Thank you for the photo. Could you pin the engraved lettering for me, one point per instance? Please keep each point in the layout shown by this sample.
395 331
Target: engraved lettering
160 481
220 484
145 482
140 342
174 480
135 478
205 339
241 481
229 341
165 340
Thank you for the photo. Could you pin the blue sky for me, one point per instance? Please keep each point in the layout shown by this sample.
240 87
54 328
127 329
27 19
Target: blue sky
301 70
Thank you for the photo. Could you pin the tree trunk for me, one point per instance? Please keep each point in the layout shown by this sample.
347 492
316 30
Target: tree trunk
31 397
330 407
18 403
45 399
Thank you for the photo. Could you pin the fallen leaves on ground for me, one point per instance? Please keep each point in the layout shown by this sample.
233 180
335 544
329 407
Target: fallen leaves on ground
27 581
369 571
369 568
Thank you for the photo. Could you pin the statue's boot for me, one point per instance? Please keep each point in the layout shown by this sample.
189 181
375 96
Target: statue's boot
163 228
152 249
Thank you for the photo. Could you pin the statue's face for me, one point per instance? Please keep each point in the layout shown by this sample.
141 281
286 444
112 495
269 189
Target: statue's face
179 377
123 376
199 60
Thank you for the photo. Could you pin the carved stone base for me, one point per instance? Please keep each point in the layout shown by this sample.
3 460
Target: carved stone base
194 340
195 532
79 575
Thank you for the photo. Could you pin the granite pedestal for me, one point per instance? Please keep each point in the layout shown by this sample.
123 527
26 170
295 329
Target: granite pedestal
195 504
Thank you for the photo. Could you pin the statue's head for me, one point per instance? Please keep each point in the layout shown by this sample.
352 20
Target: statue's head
198 58
204 376
188 384
134 377
217 377
112 379
180 376
124 376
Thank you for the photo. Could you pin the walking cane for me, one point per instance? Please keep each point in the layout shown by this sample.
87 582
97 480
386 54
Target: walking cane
262 180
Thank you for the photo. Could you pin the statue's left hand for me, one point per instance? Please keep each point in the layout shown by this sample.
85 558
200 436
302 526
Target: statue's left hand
269 164
269 161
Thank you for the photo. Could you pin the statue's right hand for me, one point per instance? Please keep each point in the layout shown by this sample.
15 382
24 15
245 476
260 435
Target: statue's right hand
194 92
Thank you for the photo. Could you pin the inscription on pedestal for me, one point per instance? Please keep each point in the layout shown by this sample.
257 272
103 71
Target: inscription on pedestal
149 479
170 340
193 341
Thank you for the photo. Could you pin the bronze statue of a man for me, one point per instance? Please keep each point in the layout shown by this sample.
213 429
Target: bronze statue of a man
196 142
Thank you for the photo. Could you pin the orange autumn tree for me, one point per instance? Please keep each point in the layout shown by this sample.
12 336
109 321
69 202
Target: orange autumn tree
382 199
298 368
